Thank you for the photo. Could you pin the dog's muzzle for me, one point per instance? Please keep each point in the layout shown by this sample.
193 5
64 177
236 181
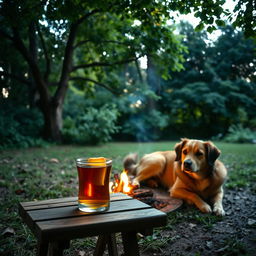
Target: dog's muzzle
188 165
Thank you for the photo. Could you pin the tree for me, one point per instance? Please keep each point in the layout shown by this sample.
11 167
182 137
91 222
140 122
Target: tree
217 86
64 41
234 56
55 39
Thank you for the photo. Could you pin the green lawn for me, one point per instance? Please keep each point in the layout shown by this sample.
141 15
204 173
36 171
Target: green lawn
32 174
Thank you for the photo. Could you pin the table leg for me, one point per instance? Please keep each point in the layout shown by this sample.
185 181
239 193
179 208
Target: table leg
131 247
57 248
112 248
102 241
42 248
101 245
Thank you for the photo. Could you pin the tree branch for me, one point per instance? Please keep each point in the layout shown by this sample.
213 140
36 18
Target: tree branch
94 81
81 43
104 64
83 18
18 43
67 62
101 42
32 40
46 55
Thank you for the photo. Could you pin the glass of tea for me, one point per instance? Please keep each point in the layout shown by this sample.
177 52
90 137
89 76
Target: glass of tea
93 177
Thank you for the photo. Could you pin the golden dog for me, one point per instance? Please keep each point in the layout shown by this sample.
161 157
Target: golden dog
191 172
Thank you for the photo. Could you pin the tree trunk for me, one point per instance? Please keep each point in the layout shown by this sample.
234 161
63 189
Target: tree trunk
53 121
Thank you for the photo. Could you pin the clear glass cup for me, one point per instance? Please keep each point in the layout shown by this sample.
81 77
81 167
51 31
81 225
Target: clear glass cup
93 177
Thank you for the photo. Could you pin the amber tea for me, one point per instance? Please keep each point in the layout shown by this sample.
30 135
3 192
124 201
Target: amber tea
93 176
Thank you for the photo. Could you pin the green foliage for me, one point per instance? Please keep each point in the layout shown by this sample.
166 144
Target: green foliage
245 17
217 87
20 127
155 243
233 246
91 125
237 133
233 56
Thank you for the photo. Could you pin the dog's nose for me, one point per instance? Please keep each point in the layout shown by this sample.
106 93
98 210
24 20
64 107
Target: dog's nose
187 163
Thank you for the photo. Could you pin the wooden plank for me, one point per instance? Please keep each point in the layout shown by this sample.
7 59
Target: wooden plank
27 219
92 225
69 201
72 211
49 201
119 196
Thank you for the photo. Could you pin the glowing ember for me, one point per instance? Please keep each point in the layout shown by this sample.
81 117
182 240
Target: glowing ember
122 184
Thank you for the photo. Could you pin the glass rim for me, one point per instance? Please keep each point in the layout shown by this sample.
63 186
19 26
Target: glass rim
84 161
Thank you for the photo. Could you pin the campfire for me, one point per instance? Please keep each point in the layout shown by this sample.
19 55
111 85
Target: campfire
156 198
122 183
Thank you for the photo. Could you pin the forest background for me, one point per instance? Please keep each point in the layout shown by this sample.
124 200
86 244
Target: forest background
72 72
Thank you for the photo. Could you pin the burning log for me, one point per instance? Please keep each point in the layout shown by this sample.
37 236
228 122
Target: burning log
156 198
147 196
140 193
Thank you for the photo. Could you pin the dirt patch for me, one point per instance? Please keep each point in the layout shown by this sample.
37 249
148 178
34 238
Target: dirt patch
234 234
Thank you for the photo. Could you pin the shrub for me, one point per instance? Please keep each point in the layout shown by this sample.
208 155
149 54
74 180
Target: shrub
20 127
237 133
92 125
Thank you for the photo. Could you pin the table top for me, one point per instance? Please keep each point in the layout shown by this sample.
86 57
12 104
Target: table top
60 219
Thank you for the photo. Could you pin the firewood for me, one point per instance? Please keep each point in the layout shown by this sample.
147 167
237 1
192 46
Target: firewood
142 193
159 204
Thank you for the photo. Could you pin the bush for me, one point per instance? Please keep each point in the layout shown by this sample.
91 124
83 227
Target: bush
92 126
20 127
237 133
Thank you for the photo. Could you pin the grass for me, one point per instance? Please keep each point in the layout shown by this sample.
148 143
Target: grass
33 174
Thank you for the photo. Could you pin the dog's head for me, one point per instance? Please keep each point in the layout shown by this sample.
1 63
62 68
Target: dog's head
197 157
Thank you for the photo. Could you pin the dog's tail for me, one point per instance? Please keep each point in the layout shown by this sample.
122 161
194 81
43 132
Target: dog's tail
130 163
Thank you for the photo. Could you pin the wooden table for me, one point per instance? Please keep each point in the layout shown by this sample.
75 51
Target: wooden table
55 222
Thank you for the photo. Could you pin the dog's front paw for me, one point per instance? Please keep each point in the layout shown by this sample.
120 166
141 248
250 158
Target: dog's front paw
205 208
218 210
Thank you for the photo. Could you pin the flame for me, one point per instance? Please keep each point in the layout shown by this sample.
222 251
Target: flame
122 184
125 179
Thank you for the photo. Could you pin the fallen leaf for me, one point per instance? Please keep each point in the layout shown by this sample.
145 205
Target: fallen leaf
81 253
19 191
192 225
8 232
251 222
209 244
54 160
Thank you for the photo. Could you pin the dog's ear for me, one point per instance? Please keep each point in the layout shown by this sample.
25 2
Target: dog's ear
178 148
212 153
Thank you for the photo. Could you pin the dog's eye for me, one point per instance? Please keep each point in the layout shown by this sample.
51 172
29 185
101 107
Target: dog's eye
199 153
184 151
